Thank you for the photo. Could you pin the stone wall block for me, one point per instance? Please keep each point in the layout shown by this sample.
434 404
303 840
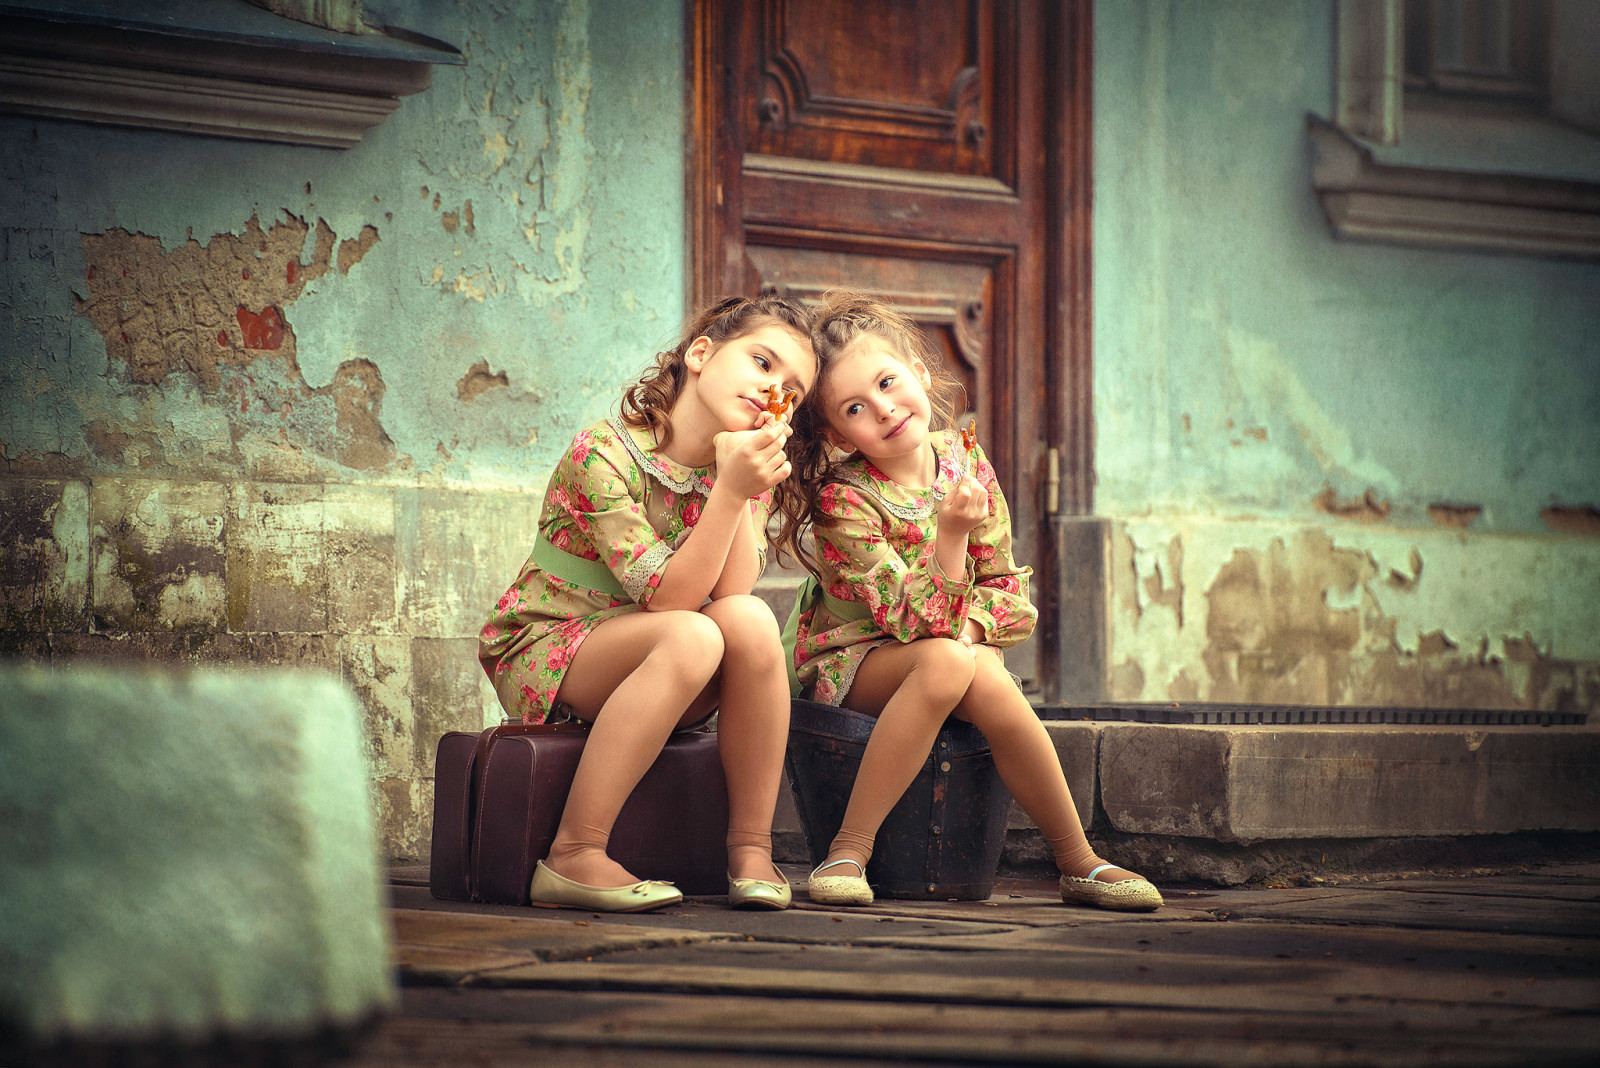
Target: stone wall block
1077 747
450 689
363 572
379 669
458 552
451 693
157 555
1162 779
1244 784
1539 781
1381 783
44 556
277 559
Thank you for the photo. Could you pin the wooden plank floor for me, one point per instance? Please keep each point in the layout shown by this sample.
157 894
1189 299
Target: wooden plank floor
1489 970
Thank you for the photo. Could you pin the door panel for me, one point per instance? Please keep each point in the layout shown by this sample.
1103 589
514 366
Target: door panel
892 84
912 150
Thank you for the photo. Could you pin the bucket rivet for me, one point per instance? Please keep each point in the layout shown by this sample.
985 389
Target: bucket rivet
930 888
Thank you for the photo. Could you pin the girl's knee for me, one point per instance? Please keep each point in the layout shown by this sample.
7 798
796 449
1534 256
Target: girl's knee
943 667
742 614
747 625
690 642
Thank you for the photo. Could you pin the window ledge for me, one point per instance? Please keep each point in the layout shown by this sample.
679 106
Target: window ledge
221 68
1411 203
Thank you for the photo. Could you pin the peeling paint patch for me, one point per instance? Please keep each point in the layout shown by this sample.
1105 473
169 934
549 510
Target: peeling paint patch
478 380
353 249
261 330
456 220
1271 629
216 315
1454 516
1157 592
199 308
1366 508
1402 581
1580 519
1127 681
1435 643
357 391
1182 687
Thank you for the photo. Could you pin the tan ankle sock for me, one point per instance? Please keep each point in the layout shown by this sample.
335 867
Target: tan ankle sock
1074 856
853 845
746 843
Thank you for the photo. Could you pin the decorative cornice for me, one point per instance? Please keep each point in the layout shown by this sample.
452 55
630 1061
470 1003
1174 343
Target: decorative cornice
261 77
1516 213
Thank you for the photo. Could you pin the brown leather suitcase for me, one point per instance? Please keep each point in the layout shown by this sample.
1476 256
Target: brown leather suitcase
498 797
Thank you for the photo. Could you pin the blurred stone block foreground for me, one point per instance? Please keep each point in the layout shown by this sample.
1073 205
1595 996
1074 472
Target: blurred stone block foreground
185 856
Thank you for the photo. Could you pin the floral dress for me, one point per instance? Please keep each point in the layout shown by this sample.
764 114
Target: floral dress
610 499
876 549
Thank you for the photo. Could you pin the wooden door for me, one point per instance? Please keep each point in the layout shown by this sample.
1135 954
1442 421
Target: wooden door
934 153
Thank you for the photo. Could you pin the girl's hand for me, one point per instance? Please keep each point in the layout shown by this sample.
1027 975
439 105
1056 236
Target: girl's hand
963 508
972 637
750 462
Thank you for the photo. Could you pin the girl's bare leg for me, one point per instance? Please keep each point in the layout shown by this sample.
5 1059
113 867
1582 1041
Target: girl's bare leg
636 677
1026 759
752 728
911 688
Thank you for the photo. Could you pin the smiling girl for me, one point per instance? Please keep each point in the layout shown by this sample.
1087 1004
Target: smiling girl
634 612
915 595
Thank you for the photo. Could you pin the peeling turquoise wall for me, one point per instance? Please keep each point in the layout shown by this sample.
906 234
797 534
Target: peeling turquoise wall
1246 364
460 292
1223 304
563 130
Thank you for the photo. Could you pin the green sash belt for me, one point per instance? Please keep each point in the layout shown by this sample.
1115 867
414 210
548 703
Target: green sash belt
590 574
808 594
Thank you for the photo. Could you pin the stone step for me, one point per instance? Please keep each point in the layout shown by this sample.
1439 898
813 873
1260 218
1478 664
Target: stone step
1205 789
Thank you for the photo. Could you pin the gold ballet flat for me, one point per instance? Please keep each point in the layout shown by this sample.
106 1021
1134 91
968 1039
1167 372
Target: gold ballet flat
550 890
1129 895
759 893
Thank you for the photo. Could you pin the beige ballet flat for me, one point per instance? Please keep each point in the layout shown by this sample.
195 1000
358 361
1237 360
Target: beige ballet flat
551 890
839 889
1129 895
759 893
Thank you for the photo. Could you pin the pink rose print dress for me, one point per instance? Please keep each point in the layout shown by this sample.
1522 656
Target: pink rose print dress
879 572
620 510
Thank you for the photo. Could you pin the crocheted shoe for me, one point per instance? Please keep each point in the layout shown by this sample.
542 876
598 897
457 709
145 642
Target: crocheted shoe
839 889
1129 895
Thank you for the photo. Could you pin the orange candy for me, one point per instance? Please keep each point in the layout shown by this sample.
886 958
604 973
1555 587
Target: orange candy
779 402
969 436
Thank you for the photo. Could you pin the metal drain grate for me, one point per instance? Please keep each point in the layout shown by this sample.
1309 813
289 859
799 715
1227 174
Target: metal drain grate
1299 715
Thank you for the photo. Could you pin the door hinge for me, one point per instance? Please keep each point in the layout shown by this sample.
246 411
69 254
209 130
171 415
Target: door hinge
1052 481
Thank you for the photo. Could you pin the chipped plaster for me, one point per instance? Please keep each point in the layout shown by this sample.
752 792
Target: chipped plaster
1252 610
349 473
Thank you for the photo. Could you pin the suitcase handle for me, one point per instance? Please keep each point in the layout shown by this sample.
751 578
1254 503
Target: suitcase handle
516 730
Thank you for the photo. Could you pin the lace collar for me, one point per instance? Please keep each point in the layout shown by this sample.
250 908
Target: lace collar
659 466
902 501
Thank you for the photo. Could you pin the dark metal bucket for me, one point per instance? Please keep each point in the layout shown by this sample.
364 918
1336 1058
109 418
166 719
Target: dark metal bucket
942 840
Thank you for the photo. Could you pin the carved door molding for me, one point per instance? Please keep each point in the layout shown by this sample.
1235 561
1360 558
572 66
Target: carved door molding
935 154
